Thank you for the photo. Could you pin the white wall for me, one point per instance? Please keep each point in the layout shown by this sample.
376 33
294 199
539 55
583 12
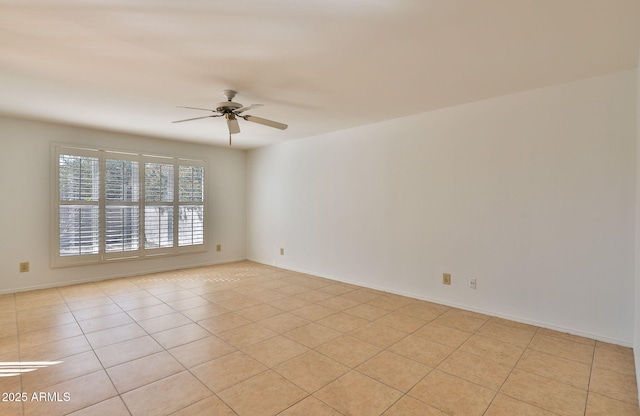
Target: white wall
24 211
533 194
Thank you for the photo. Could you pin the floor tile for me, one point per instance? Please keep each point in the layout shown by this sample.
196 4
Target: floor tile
270 394
557 368
358 395
82 392
620 360
394 370
203 312
509 334
55 350
247 335
275 350
166 396
114 335
144 300
11 385
343 322
493 349
311 370
145 370
377 334
313 312
42 322
368 312
460 320
566 336
44 336
201 351
164 322
288 303
104 322
339 303
283 322
476 369
42 311
506 406
361 295
408 406
312 335
80 303
442 391
188 303
424 310
112 407
129 350
545 393
615 385
96 312
443 334
9 350
259 312
149 312
401 321
422 350
226 371
310 406
212 405
225 322
598 405
247 329
181 335
70 367
348 350
314 296
390 302
563 348
239 302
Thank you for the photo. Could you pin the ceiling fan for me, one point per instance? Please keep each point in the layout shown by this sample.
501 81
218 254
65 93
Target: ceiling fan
231 110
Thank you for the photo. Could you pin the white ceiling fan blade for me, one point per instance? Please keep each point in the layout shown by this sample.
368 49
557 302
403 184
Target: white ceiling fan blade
234 127
249 107
265 122
197 108
195 118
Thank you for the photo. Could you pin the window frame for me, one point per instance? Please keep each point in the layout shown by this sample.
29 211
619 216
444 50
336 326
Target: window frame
103 256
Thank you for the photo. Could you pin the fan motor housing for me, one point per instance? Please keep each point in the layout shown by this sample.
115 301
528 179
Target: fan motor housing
227 106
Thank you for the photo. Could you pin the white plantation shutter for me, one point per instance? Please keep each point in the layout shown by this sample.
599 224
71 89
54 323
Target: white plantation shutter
122 210
159 204
77 205
191 205
113 205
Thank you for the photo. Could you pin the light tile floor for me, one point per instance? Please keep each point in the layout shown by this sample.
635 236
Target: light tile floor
248 339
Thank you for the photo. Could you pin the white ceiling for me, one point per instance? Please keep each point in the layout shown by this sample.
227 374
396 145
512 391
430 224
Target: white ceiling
317 65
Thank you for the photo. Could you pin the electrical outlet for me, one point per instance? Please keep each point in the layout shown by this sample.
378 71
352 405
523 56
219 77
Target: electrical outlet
472 284
24 267
218 247
446 279
282 251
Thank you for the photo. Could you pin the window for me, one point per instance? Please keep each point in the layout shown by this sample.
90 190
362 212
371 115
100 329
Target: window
112 205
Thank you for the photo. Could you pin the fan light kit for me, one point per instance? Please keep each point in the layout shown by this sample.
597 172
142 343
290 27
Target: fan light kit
231 110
